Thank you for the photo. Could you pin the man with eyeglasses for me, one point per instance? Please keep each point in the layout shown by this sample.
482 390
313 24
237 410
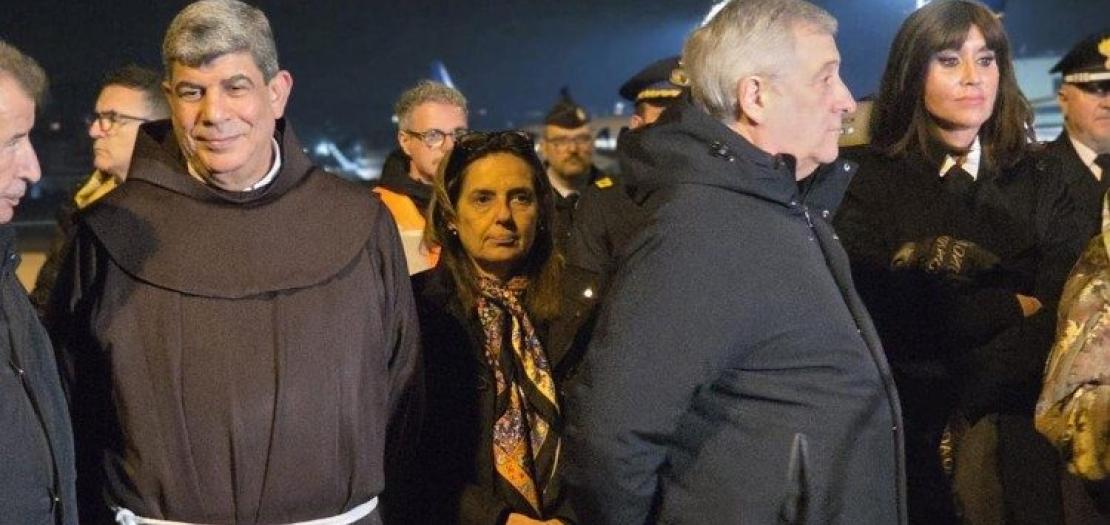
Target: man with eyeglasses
429 116
605 218
129 96
568 149
1083 149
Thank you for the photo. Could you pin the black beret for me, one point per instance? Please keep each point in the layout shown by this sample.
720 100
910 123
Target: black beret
662 79
566 113
1088 61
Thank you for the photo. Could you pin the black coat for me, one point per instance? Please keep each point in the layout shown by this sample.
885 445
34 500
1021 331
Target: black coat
36 472
447 476
1085 190
734 376
958 347
566 209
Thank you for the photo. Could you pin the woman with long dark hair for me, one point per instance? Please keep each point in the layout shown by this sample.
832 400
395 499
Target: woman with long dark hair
490 443
961 237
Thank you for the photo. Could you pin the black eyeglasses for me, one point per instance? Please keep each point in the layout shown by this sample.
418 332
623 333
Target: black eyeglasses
434 138
1098 89
580 141
108 120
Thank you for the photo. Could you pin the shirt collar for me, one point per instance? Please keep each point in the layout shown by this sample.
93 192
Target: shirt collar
1088 156
275 166
562 188
970 163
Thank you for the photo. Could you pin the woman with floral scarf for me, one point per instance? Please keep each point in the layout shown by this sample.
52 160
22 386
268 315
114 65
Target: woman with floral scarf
490 442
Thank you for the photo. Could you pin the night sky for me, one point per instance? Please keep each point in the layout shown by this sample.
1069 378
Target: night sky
350 59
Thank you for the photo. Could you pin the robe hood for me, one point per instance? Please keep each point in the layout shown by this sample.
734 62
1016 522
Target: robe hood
166 228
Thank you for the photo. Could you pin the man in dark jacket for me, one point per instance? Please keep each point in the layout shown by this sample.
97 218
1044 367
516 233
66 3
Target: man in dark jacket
734 376
36 472
567 145
128 97
1083 149
237 325
607 216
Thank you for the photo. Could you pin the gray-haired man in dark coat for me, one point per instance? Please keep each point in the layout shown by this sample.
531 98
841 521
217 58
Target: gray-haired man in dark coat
36 472
735 376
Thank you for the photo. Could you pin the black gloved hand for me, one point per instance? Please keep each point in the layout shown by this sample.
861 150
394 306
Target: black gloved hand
950 258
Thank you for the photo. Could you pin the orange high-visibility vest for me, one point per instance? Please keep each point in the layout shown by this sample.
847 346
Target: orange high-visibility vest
410 223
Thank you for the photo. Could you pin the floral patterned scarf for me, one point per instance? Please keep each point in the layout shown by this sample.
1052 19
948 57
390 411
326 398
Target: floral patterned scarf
525 437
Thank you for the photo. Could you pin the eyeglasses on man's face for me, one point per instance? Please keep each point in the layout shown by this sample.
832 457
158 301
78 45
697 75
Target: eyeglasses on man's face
108 120
434 138
567 142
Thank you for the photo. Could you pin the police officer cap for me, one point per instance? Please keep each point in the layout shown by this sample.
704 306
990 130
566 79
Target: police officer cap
1088 61
566 113
661 80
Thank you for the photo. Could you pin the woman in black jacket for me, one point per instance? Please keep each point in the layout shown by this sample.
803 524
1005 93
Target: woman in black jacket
490 443
960 238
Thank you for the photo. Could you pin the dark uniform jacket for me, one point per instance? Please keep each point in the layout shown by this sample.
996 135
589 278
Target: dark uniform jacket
565 209
447 475
234 357
1085 190
734 375
606 218
963 346
36 445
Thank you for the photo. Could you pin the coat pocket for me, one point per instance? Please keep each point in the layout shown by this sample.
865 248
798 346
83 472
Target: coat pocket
795 502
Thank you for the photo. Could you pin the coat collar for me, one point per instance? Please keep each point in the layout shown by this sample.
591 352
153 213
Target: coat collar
689 146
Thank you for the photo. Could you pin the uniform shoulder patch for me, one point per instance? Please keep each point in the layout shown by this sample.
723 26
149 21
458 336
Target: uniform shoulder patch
604 182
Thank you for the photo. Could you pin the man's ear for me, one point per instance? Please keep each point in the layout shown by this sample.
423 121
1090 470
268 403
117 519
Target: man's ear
403 141
752 96
279 88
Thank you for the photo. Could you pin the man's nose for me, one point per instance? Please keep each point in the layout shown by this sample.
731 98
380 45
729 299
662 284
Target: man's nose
95 131
448 143
848 102
29 164
212 107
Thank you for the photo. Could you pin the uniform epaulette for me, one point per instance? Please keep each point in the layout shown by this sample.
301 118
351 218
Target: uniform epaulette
604 182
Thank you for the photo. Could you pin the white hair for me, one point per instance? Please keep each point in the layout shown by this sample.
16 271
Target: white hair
745 38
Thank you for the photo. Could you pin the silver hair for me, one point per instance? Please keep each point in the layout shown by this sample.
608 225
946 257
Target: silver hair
209 29
745 38
426 91
26 72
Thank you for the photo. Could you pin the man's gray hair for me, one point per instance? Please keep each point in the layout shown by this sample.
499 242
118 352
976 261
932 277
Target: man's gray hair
26 72
745 38
426 91
209 29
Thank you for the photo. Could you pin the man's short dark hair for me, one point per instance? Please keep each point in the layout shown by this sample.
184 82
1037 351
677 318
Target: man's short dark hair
24 70
148 81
